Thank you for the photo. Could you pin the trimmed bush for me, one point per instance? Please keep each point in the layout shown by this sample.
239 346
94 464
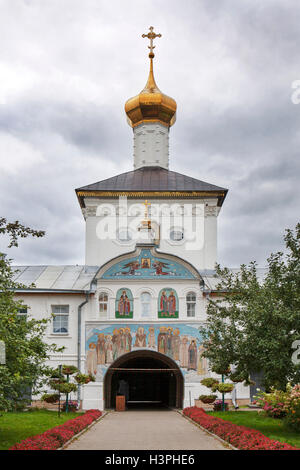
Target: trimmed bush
207 398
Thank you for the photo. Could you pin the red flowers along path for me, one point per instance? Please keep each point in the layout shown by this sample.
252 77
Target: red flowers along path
238 436
241 437
56 437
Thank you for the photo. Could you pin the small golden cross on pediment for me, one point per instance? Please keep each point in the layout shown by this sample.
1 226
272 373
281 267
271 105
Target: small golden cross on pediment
151 35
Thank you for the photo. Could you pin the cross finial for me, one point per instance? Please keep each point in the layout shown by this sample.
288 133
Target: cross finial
151 35
147 204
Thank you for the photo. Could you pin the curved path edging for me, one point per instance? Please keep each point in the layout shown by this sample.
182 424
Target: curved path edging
104 413
227 444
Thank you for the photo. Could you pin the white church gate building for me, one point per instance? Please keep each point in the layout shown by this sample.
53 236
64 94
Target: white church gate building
133 311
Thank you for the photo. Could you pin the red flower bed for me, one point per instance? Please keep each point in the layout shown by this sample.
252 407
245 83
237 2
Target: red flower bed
54 438
241 437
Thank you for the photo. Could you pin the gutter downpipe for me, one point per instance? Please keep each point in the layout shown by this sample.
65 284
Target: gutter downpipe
92 290
79 341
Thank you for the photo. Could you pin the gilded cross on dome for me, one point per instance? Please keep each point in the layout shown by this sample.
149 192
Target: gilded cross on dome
151 35
147 205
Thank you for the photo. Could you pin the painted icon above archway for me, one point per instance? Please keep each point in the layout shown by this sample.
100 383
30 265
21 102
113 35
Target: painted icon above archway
148 266
124 303
168 305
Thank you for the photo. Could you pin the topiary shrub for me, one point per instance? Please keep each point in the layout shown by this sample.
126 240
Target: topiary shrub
69 370
50 397
225 388
209 382
207 398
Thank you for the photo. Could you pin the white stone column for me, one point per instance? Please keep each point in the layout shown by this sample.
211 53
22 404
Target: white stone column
151 145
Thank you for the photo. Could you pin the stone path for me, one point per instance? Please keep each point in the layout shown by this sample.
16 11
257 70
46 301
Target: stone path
145 430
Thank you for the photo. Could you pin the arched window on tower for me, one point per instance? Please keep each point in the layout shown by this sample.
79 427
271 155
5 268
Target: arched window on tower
191 304
103 304
145 305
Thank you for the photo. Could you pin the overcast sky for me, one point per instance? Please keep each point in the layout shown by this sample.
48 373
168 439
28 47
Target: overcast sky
68 66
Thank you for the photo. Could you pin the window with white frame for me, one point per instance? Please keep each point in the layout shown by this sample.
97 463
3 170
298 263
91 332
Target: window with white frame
60 319
191 304
103 303
176 235
22 314
146 304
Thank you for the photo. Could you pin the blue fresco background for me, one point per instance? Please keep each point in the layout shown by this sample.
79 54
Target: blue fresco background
174 269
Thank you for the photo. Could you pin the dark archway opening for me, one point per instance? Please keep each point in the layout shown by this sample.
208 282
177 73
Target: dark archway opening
153 380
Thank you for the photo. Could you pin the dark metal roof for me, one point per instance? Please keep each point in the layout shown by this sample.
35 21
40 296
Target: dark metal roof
153 179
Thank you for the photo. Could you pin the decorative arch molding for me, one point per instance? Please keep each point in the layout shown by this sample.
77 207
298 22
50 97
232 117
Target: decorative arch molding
166 363
106 290
182 292
147 289
147 263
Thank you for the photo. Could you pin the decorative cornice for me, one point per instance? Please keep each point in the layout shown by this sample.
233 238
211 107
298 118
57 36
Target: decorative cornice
211 211
159 194
89 211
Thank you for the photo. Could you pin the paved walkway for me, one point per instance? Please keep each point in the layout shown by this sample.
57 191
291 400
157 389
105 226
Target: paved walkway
143 430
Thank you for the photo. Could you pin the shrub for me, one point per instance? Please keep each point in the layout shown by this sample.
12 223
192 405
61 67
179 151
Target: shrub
66 369
273 403
225 388
292 409
209 382
238 376
72 405
84 378
50 397
66 387
207 398
218 405
240 437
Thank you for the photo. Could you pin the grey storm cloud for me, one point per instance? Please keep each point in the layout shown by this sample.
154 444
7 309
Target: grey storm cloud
67 69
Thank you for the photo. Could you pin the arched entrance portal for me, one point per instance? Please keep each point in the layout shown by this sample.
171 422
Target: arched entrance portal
152 378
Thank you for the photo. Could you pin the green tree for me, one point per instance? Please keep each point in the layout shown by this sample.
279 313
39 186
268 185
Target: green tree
252 324
26 352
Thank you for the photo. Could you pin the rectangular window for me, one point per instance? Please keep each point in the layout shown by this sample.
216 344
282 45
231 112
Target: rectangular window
22 314
60 319
191 309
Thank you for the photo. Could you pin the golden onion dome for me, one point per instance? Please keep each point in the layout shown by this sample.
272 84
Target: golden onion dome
151 105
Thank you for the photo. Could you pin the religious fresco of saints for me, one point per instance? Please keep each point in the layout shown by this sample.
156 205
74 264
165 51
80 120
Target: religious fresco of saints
168 304
176 344
108 349
192 361
169 342
100 348
91 359
132 266
124 304
140 338
159 267
115 343
128 340
151 338
162 340
184 352
202 361
145 264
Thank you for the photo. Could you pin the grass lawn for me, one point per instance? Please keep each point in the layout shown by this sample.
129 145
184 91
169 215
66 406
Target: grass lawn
16 426
272 428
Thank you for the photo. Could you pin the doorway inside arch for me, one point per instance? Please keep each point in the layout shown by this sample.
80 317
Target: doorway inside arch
152 379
